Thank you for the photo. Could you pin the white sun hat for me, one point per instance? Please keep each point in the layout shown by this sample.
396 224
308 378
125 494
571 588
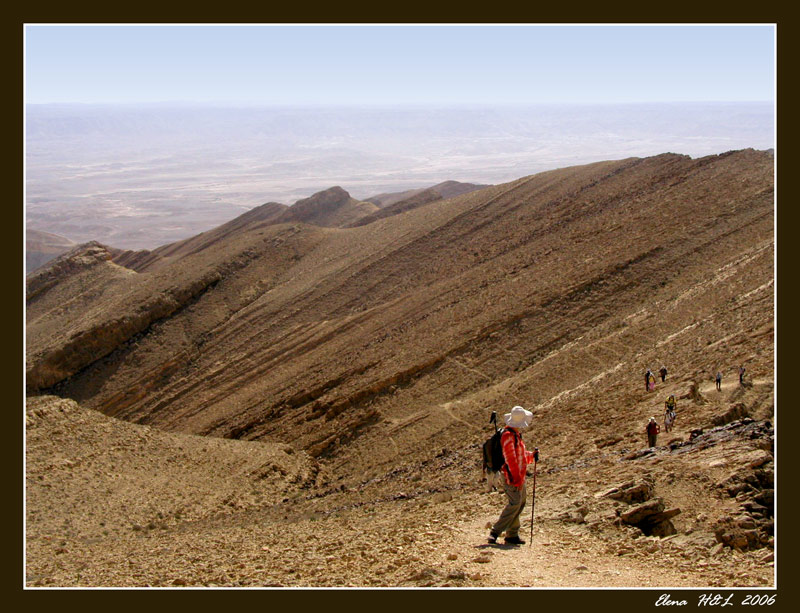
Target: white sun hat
518 418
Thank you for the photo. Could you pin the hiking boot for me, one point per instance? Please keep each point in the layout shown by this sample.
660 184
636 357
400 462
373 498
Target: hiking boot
493 538
514 540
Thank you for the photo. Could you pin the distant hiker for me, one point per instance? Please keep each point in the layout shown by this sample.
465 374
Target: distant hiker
652 432
741 375
516 462
647 380
669 419
718 381
663 373
652 382
669 412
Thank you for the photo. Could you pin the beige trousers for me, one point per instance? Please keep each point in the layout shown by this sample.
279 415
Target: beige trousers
509 519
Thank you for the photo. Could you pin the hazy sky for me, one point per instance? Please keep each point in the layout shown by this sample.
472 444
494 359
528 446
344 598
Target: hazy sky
387 65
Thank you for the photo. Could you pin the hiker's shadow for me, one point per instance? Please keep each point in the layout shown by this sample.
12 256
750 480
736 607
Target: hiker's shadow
496 546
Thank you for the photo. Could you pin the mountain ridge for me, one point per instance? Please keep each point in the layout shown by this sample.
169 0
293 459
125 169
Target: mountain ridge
377 352
389 280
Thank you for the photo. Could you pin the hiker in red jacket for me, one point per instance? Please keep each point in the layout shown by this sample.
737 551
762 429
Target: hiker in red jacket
516 462
652 432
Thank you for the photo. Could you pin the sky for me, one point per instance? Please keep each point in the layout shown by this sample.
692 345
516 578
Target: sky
398 65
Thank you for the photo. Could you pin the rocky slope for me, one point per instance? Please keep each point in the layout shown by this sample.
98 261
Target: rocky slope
401 206
181 510
400 202
151 260
333 207
378 352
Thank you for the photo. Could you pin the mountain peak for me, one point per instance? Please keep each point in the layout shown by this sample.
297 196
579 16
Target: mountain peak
81 257
333 196
332 207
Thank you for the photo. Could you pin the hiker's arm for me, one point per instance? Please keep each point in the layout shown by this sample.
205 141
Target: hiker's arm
532 456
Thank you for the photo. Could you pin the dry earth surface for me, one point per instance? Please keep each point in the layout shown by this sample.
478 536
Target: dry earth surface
298 405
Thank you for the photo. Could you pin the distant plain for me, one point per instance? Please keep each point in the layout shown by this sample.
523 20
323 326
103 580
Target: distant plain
137 177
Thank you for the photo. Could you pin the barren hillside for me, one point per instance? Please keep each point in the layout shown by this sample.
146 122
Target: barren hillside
378 351
151 260
417 199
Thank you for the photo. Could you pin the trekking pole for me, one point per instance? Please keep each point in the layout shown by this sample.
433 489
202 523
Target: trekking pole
533 498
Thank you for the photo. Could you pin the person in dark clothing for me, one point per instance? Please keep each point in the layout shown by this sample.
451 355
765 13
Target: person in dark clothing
663 373
741 375
718 381
647 380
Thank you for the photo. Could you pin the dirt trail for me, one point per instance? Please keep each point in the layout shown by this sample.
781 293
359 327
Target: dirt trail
387 548
209 517
558 557
730 384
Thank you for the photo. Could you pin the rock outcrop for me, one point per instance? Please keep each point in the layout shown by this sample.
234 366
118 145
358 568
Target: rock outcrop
642 510
74 262
736 412
651 517
632 492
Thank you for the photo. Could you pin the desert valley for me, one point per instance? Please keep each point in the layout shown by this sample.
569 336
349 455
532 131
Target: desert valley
298 397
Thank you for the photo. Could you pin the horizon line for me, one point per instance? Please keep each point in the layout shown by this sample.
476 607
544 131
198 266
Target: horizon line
178 102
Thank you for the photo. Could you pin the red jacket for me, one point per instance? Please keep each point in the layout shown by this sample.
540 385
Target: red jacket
515 456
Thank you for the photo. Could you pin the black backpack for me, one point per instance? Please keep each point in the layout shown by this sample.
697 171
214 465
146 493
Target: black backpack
493 453
493 459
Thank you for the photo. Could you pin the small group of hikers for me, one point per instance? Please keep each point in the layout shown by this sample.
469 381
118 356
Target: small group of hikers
650 378
718 378
653 429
